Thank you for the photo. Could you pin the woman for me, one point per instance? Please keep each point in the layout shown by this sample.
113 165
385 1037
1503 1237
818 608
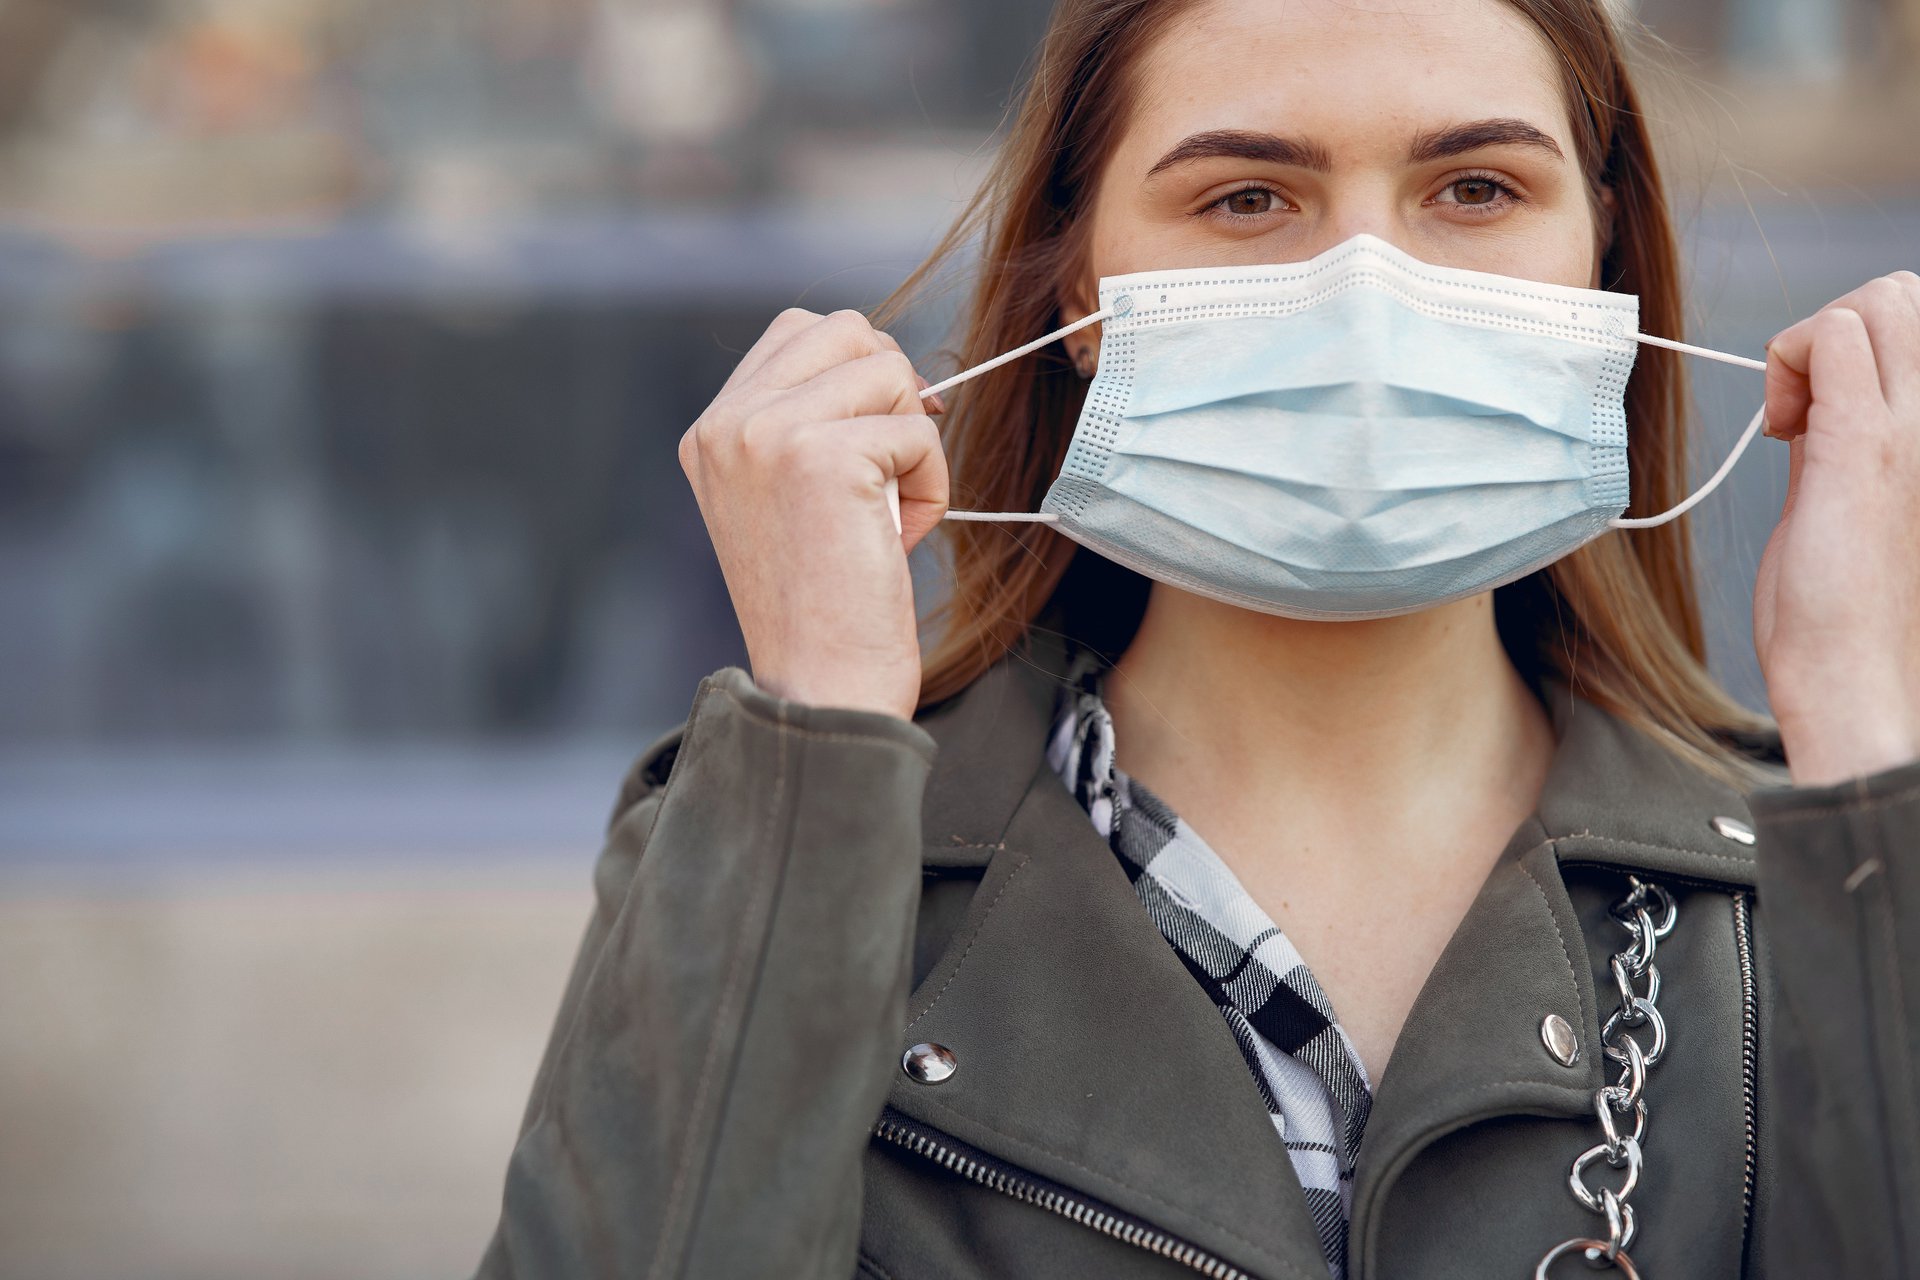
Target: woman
1403 872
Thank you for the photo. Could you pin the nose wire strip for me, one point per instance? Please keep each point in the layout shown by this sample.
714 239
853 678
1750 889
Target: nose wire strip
1107 313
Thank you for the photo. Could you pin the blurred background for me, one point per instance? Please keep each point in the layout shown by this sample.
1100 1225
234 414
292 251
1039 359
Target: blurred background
345 562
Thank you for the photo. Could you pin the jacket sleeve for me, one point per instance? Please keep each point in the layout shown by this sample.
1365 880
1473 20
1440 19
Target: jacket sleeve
1839 903
727 1036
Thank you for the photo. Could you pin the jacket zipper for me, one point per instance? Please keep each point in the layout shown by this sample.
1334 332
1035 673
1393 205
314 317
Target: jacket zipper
989 1171
1749 1049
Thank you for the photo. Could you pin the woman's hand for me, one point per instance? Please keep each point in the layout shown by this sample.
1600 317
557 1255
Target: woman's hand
1836 609
790 465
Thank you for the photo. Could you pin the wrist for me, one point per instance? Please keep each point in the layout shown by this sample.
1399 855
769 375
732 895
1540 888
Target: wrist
1837 748
879 697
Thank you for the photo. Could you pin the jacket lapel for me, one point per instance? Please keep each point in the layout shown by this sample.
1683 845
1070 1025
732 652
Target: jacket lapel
1088 1054
1472 1045
1086 1051
1616 798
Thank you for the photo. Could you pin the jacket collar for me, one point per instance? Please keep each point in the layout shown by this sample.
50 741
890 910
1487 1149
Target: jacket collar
1613 796
1088 1054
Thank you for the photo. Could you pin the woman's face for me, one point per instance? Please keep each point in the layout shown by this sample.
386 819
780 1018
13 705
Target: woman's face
1267 132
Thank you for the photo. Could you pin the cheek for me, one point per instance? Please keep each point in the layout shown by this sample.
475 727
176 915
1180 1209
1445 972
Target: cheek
1120 243
1562 250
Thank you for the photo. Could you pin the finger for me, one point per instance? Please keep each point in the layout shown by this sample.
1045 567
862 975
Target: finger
935 405
1822 370
1908 283
907 449
836 339
1842 373
785 327
1789 390
1892 316
931 404
1766 585
876 384
1796 460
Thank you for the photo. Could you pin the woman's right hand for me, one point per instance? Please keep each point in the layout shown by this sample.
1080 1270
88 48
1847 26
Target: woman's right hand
790 465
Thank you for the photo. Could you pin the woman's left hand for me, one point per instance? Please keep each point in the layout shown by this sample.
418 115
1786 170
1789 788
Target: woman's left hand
1836 607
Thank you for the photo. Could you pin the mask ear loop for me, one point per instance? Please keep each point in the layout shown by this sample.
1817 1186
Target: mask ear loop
968 375
1746 437
1107 313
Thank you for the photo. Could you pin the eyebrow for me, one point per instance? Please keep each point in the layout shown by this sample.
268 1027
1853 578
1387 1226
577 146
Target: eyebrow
1438 144
1241 144
1300 153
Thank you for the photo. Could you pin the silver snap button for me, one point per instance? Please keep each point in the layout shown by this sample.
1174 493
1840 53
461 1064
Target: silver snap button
1733 829
929 1063
1557 1034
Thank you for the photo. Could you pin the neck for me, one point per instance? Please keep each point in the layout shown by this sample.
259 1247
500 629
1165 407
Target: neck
1339 721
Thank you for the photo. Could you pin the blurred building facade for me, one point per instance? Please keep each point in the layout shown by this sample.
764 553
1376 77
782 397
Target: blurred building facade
345 560
343 343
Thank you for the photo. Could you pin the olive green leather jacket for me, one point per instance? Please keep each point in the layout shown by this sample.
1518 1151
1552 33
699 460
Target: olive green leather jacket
790 898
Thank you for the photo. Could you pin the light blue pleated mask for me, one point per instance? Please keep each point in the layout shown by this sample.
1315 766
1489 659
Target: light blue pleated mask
1354 436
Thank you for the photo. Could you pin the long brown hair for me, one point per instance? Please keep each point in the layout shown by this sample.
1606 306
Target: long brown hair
1618 620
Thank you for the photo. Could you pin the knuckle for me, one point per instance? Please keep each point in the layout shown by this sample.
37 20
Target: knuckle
791 317
852 327
760 432
1838 318
808 452
1881 290
900 366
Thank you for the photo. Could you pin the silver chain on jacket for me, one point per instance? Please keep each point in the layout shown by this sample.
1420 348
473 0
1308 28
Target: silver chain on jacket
1635 913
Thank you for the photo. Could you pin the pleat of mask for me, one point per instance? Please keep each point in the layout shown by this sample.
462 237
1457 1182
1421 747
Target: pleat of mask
1354 436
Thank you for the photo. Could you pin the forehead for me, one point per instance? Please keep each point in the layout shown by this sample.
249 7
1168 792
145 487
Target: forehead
1348 72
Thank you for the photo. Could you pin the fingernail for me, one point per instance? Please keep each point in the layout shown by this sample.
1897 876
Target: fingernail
937 403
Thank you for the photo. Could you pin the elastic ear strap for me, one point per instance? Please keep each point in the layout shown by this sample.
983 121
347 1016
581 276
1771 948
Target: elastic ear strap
1746 438
1107 313
1012 517
1724 357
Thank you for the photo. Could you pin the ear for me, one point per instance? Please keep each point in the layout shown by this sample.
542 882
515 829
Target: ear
1605 212
1080 297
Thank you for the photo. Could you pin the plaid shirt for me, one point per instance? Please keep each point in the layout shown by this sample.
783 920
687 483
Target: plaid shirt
1313 1082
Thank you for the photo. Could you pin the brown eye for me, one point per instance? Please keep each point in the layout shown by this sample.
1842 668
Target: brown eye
1476 191
1250 203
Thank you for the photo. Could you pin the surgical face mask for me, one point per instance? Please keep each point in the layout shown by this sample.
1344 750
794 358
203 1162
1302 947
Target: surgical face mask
1354 436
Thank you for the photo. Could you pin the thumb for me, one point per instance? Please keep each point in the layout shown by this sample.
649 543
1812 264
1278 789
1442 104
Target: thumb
1789 384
